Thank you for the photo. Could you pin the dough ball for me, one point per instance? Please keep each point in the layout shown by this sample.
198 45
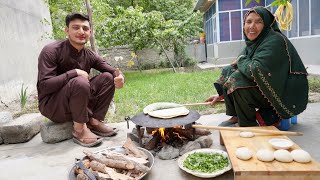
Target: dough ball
243 153
245 134
265 155
283 155
301 156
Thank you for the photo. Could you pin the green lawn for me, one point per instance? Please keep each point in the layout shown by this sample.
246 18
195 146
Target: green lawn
146 87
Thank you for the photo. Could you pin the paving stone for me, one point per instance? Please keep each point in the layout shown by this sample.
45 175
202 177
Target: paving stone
21 129
5 117
56 132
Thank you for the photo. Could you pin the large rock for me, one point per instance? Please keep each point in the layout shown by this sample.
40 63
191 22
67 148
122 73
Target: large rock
5 117
21 129
55 132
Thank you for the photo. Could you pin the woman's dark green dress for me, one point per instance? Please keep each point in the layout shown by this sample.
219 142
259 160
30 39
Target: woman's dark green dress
269 76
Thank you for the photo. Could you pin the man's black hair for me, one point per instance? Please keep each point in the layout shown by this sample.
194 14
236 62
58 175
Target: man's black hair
76 15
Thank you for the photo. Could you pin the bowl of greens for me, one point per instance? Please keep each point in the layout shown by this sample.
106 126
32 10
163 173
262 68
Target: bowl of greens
205 163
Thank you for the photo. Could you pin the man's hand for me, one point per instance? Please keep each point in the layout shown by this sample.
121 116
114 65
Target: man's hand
214 99
119 79
83 74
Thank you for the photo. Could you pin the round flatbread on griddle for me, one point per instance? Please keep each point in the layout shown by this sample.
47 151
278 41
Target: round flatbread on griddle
159 106
169 113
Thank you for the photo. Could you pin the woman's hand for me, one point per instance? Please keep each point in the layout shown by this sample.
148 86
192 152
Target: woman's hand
213 99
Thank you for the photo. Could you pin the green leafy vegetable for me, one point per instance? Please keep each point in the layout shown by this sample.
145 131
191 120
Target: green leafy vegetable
205 162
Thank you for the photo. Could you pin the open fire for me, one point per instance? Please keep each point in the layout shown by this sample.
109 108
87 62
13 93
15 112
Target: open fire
168 134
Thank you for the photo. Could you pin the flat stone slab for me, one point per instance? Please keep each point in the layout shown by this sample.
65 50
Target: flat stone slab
55 132
21 129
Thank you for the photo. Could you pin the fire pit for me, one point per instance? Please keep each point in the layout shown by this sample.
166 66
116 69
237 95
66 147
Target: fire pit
173 133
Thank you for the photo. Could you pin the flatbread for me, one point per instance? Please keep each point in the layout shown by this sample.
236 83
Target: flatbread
169 113
159 106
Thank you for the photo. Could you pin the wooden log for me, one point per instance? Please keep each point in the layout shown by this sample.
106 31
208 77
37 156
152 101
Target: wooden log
153 142
82 177
122 157
109 162
130 147
187 133
111 172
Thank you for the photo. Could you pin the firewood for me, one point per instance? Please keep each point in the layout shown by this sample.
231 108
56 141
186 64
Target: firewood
188 133
129 146
137 166
96 166
82 177
111 172
109 162
202 132
120 156
154 141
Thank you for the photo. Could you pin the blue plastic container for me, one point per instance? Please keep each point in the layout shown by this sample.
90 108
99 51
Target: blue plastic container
294 120
284 124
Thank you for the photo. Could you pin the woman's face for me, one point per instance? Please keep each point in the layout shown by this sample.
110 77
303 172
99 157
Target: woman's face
253 26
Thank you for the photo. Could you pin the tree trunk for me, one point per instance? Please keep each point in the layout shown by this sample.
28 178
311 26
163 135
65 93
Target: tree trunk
92 39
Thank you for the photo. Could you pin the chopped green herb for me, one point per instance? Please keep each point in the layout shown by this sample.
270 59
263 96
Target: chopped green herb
205 162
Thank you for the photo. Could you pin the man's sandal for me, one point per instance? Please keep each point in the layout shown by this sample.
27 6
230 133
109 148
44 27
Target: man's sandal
85 141
102 130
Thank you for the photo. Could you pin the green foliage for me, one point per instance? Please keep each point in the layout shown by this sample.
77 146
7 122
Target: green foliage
274 3
314 84
137 23
23 96
249 1
279 2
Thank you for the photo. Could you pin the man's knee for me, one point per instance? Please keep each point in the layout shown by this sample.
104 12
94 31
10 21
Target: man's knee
106 76
80 84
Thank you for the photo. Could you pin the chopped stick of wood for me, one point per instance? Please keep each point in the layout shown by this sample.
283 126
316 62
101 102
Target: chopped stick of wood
82 177
109 162
95 165
137 166
120 156
132 149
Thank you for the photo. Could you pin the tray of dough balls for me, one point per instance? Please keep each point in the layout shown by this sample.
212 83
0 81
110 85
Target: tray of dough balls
257 152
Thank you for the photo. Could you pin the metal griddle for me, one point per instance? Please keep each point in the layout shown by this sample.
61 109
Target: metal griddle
144 120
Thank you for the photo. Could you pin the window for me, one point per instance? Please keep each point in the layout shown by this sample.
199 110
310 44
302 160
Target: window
304 18
315 14
236 25
225 5
294 29
224 27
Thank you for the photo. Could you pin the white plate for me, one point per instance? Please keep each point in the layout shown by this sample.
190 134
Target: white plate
200 174
279 143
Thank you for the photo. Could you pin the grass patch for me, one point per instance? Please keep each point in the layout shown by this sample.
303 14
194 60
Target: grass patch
146 87
314 84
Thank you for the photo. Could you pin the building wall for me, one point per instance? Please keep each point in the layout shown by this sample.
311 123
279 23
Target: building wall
20 43
306 47
196 52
